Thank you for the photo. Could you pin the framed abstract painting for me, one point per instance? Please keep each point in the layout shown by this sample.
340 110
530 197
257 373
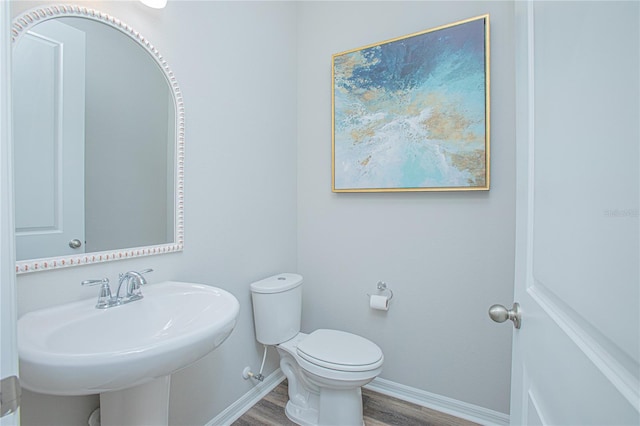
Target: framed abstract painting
412 113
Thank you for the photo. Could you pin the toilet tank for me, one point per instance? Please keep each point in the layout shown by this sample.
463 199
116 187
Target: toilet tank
277 308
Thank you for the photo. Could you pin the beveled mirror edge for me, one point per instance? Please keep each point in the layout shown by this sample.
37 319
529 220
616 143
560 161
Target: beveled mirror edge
22 24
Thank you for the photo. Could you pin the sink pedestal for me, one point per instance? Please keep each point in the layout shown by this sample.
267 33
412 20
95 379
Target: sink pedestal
146 404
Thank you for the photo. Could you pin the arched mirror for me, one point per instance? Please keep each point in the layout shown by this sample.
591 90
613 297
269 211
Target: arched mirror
98 131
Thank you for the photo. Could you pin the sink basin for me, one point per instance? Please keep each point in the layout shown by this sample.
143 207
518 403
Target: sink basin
76 349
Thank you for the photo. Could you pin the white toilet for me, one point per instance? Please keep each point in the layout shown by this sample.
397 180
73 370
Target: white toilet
325 369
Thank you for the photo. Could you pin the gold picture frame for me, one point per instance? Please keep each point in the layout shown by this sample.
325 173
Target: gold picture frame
413 113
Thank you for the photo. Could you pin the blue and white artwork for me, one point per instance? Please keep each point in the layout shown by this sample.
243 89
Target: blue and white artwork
411 114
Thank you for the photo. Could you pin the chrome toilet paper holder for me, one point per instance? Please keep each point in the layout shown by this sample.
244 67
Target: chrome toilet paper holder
382 288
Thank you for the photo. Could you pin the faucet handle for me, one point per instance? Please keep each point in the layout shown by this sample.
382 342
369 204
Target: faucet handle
105 299
95 282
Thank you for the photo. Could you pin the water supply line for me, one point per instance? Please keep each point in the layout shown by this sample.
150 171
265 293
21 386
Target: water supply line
246 373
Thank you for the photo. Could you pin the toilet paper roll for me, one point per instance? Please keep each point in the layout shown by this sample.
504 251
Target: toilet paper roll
378 302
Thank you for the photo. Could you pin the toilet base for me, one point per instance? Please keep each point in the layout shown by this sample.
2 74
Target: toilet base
341 407
336 407
301 416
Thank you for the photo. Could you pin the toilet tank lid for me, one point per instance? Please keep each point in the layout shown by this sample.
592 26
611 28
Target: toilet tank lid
277 283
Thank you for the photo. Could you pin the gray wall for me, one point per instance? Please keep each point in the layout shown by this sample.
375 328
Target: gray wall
256 83
447 256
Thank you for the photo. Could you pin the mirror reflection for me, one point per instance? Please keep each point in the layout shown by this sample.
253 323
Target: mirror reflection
94 142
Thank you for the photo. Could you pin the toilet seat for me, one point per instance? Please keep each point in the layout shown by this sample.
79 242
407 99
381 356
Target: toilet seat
340 351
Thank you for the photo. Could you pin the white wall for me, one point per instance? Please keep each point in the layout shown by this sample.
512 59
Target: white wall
447 256
235 63
8 308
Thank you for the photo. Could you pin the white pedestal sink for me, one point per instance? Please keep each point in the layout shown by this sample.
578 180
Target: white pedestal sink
125 353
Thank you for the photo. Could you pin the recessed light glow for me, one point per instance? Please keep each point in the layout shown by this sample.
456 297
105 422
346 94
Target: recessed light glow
156 4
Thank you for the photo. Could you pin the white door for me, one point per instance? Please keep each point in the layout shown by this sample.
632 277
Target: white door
576 357
8 346
48 129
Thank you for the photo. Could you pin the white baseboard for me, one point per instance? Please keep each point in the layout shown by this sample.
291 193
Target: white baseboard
440 403
436 402
248 400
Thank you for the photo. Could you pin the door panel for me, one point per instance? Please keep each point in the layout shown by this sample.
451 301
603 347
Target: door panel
49 89
586 115
576 358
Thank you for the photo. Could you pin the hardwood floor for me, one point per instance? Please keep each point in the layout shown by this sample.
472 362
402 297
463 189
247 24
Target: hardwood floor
379 410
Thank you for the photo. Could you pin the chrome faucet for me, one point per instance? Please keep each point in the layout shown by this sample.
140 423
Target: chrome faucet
134 280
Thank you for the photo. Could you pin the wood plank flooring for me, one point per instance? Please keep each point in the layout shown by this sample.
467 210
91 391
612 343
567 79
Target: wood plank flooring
379 410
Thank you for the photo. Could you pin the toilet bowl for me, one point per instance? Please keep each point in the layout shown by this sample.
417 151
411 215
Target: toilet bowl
327 385
326 369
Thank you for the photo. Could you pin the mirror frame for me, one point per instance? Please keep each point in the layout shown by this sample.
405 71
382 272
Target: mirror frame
24 23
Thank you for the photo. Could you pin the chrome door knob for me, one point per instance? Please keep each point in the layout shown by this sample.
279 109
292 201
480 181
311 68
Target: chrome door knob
74 244
499 313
